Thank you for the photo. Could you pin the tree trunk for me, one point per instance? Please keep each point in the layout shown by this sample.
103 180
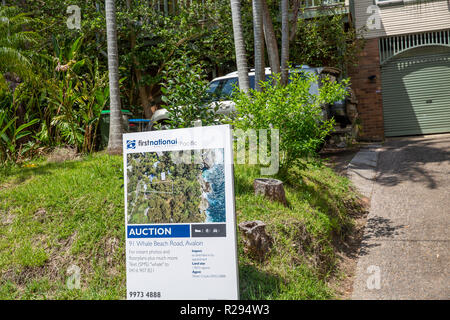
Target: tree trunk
259 44
284 41
115 124
166 8
271 40
239 44
143 96
295 10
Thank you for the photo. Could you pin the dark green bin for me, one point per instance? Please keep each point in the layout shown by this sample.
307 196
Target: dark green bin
104 126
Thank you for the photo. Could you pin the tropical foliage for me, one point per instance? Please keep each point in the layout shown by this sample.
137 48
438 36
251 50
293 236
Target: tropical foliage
54 79
14 39
10 134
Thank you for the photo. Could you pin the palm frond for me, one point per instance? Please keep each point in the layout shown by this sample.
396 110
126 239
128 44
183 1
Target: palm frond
18 40
12 60
13 40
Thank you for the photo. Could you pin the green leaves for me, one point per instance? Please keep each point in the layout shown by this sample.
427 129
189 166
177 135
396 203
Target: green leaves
185 94
326 40
10 134
77 99
295 110
13 40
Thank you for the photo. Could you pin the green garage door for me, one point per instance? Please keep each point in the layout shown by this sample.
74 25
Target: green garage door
416 95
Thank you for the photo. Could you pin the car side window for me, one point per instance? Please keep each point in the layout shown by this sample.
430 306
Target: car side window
228 87
213 86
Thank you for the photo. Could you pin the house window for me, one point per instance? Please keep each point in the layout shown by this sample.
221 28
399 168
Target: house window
382 2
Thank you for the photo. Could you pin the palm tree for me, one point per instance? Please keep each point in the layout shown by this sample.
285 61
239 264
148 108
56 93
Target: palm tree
115 124
239 44
284 41
13 40
259 43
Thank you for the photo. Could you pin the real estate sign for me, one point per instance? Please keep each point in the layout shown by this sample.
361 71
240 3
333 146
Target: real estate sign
180 215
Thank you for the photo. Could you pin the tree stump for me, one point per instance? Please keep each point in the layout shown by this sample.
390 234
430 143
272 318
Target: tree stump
257 242
271 188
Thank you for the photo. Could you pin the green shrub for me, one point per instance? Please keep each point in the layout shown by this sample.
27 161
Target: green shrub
291 109
10 133
185 95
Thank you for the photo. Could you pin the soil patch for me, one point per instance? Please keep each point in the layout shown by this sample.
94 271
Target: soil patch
338 158
347 249
63 154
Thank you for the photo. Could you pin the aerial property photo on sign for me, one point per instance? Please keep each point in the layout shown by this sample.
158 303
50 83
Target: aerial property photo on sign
162 190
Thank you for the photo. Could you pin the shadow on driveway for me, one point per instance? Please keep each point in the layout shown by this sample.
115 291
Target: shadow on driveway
378 228
404 159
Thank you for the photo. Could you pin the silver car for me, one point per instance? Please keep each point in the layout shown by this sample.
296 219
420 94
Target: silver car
221 91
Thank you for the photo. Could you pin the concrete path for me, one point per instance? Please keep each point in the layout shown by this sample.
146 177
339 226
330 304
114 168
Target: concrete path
362 169
405 252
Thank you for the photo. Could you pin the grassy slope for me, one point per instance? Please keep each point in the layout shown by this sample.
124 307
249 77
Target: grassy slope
61 214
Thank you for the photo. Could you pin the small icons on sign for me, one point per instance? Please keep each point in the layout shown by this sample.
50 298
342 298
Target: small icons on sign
208 230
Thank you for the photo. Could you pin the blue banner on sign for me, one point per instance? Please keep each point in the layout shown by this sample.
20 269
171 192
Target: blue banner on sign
159 231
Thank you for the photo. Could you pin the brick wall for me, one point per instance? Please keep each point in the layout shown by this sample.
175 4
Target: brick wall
368 93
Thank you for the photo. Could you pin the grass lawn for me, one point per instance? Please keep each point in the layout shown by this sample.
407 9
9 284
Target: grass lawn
55 215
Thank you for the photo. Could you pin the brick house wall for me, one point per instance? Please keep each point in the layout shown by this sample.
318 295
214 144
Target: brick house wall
368 92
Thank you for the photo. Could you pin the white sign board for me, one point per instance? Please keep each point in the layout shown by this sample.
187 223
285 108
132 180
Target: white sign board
180 215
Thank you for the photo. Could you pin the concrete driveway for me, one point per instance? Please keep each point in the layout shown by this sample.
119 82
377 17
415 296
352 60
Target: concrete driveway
405 252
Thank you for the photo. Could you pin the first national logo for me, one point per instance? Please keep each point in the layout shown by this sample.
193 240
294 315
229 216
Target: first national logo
131 144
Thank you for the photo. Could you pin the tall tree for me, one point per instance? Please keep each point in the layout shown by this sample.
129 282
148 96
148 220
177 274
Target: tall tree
239 44
137 68
259 43
115 124
271 39
295 10
284 41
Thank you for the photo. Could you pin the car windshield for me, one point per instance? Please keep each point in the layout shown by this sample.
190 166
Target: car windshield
223 89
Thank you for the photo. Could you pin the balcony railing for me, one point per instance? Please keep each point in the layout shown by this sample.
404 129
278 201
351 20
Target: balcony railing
320 3
395 45
314 8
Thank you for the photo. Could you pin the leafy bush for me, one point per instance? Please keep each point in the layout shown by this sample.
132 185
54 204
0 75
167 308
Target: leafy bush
61 105
291 109
10 133
76 100
185 95
326 40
